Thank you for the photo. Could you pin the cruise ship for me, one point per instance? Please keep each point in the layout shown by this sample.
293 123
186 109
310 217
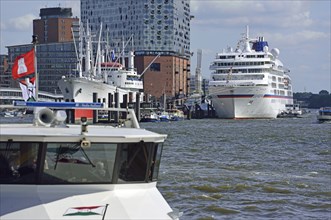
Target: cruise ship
249 81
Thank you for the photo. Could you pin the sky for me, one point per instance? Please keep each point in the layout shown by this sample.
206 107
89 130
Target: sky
299 29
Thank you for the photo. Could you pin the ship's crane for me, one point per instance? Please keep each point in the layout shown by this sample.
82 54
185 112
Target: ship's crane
198 78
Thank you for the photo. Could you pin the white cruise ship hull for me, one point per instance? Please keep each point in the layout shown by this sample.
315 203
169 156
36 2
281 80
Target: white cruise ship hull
247 102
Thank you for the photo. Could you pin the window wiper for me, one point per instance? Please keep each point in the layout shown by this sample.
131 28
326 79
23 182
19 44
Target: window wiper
82 149
8 146
71 150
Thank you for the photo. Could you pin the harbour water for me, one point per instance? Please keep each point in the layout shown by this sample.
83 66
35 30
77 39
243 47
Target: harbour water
247 169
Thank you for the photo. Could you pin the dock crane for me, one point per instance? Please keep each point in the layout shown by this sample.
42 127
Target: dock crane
198 77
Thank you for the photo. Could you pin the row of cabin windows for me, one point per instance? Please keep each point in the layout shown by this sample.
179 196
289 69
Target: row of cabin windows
242 63
236 77
281 92
286 81
242 71
247 56
279 86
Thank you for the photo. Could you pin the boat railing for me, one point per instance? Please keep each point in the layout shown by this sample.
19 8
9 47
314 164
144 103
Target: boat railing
129 118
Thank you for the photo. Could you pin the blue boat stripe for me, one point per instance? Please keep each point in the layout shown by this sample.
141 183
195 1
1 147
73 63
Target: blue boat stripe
60 104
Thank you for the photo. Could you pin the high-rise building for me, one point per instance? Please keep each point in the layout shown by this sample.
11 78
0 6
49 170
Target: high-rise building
157 27
55 25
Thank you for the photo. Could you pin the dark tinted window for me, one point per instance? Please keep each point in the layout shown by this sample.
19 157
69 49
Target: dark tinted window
18 162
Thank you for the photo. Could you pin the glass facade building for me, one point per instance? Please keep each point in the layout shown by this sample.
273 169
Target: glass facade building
156 25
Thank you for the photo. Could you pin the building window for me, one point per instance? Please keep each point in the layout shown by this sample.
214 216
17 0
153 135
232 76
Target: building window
155 67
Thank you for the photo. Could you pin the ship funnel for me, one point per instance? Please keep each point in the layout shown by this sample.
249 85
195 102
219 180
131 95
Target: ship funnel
131 61
247 47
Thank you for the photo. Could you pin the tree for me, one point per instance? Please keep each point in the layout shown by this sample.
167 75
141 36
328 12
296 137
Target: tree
314 100
323 92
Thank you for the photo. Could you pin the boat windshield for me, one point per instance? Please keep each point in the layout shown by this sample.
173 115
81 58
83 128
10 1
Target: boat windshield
70 163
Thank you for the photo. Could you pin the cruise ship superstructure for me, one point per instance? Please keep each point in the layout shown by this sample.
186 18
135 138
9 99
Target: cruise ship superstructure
249 81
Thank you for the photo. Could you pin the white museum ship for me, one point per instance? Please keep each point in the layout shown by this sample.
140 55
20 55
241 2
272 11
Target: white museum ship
249 81
101 75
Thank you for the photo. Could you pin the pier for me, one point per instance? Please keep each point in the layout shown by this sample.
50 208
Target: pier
200 111
101 116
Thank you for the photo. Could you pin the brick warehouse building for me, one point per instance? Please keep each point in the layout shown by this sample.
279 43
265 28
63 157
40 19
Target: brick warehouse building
168 74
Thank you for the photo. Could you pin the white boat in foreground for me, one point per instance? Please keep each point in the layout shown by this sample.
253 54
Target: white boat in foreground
250 81
50 170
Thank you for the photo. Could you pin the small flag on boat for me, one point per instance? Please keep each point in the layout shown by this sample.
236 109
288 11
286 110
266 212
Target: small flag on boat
23 65
85 211
28 88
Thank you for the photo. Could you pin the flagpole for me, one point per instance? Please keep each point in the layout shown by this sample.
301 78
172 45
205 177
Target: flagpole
35 41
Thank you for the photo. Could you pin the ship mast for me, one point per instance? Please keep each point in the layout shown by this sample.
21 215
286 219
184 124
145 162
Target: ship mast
34 42
88 50
247 46
98 58
247 32
131 58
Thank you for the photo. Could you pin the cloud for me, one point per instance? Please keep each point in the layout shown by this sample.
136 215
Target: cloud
282 14
224 7
25 22
3 26
244 7
22 23
297 38
301 19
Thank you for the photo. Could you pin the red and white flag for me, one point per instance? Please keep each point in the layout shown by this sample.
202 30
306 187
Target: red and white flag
23 65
